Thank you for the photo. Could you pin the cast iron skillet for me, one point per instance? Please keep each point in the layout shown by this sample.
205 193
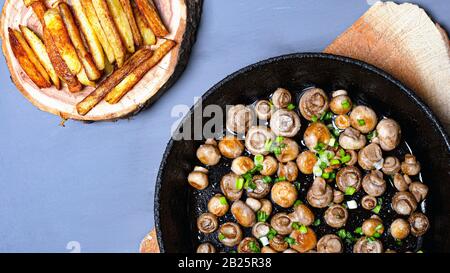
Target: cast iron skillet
177 205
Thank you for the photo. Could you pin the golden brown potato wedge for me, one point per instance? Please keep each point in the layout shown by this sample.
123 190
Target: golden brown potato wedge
122 24
149 11
60 66
107 85
126 4
90 69
95 23
148 36
55 25
33 58
41 53
25 62
84 79
134 77
91 38
104 15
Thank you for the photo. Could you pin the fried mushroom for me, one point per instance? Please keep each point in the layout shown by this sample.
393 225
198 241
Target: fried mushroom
231 147
288 171
207 223
330 243
374 184
388 134
266 206
306 161
410 166
340 103
281 223
316 133
284 194
260 229
419 190
263 109
198 180
352 139
320 194
243 214
249 245
281 98
363 119
239 118
391 165
419 224
368 202
285 123
262 188
304 241
289 151
370 157
401 182
218 205
229 188
336 216
242 164
338 197
206 248
208 154
270 166
303 215
372 226
366 245
278 243
404 203
314 102
349 176
400 229
256 139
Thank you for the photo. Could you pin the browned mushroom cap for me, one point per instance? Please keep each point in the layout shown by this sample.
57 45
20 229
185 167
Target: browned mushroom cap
256 139
366 245
316 133
260 229
263 109
370 157
401 182
206 248
243 214
218 205
391 165
270 166
419 190
281 223
242 164
266 206
240 118
228 186
340 103
368 202
207 223
410 166
302 215
198 180
320 194
285 123
253 203
304 241
404 203
249 245
388 134
336 216
353 157
288 171
400 229
352 139
342 122
281 98
330 243
231 147
348 176
232 234
284 194
372 226
306 161
338 197
262 188
314 102
208 154
419 224
267 249
278 243
363 119
289 151
374 184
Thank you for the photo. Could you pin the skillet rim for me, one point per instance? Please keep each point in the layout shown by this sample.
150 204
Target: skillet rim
421 105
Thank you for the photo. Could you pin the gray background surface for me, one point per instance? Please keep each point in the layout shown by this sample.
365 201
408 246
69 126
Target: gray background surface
92 185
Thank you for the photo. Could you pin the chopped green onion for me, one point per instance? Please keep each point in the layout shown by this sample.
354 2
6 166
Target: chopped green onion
295 225
346 158
419 251
282 145
326 116
221 237
290 240
377 228
277 151
223 200
361 122
398 242
262 216
341 152
281 178
345 104
272 233
291 106
254 247
350 190
371 135
232 251
298 202
359 231
317 171
332 141
323 165
267 179
258 159
314 118
332 175
370 239
377 209
303 229
342 233
316 222
335 162
249 184
297 185
239 183
326 175
279 139
376 235
268 145
319 147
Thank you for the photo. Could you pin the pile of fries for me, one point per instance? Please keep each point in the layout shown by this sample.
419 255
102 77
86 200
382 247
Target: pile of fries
83 43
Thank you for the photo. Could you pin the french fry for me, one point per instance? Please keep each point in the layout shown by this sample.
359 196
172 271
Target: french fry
84 79
122 24
60 66
91 14
147 34
149 11
90 69
134 77
55 26
126 4
25 62
41 53
107 85
38 7
31 56
92 40
104 15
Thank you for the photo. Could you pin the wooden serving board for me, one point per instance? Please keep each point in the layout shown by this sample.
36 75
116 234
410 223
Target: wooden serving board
181 18
405 42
